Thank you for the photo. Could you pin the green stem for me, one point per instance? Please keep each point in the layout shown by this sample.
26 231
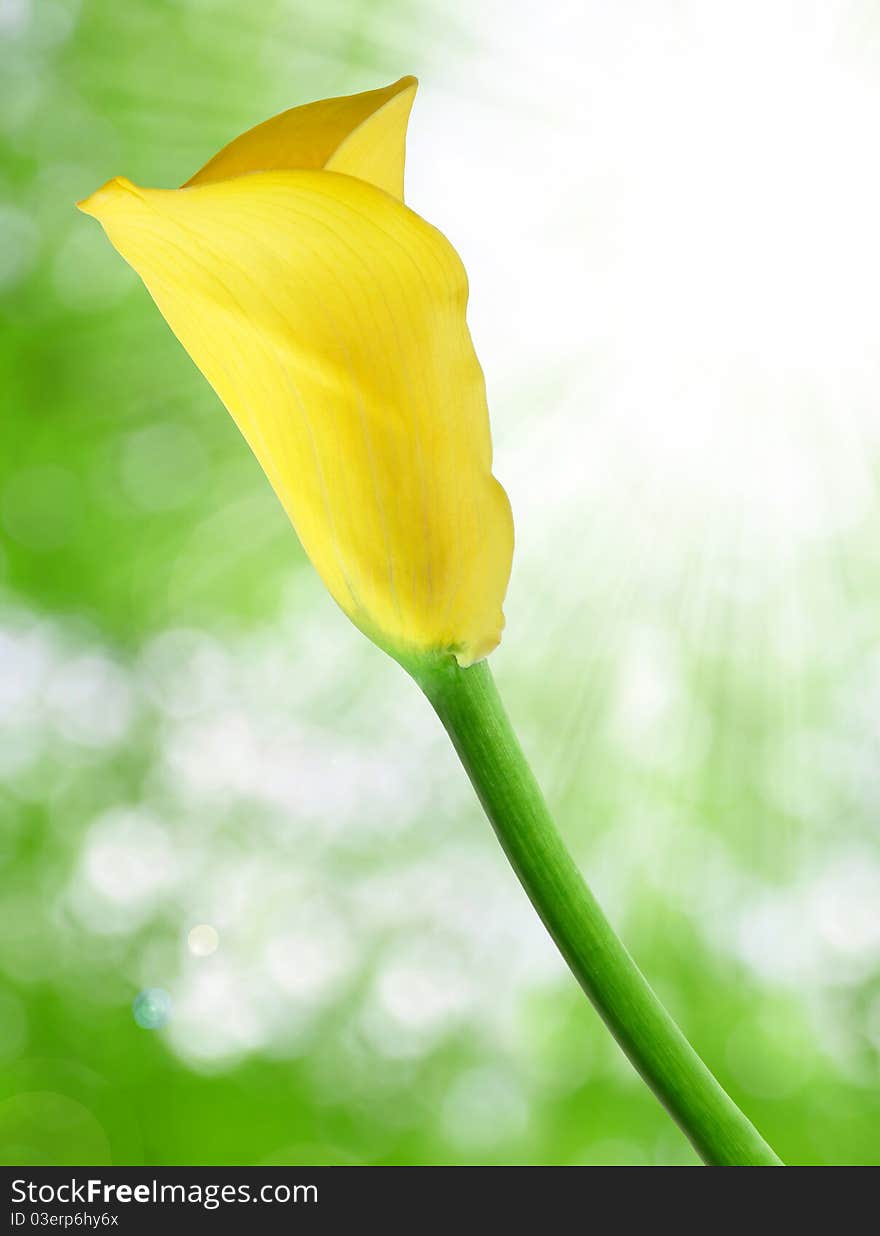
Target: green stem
470 708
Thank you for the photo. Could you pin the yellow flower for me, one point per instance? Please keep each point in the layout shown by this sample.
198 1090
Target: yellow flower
330 320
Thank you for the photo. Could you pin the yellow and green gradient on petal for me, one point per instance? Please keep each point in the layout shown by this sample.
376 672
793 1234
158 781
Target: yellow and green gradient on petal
331 321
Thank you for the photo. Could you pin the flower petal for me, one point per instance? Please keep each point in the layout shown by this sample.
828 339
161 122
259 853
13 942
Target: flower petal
363 135
330 319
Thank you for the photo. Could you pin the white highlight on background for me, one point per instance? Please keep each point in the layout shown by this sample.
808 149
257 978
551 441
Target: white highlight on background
203 940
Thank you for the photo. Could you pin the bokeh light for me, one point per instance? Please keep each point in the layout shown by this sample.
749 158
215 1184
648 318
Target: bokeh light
203 940
152 1008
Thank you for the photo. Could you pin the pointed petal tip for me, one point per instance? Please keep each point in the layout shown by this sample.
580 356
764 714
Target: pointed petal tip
407 85
96 204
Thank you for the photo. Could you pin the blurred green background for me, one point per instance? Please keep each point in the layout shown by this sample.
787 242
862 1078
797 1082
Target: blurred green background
669 215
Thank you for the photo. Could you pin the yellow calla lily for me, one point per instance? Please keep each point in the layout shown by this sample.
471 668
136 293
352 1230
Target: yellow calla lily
330 320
